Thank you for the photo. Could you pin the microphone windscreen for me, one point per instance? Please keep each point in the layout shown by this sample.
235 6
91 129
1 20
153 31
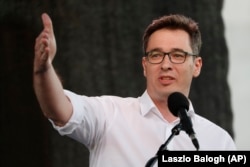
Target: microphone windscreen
176 101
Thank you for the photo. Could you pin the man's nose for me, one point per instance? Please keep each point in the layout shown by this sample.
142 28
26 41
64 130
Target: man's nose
166 63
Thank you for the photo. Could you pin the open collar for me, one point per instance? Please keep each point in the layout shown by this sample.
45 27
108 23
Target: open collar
147 105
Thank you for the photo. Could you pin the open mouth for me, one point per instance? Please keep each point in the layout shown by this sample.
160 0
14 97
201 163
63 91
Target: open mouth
166 80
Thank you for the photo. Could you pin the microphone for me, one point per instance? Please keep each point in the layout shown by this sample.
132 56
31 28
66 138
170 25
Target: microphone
178 105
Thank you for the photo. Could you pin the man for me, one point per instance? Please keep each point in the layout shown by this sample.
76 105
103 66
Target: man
129 131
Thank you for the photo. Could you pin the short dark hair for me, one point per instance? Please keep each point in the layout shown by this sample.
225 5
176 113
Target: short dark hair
175 22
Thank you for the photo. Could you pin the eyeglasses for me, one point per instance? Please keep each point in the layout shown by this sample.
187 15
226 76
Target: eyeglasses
176 56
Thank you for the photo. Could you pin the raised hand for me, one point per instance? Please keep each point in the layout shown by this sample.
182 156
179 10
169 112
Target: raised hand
45 46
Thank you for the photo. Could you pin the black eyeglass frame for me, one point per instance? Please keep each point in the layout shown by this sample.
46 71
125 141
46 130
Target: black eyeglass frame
168 53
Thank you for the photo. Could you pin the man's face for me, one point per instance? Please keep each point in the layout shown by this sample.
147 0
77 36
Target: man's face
166 77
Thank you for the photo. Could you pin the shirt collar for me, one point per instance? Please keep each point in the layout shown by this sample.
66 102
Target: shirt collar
148 105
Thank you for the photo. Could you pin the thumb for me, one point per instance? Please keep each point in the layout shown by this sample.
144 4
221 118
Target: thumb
47 23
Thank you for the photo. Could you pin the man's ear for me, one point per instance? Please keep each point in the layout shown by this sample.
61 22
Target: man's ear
144 64
197 67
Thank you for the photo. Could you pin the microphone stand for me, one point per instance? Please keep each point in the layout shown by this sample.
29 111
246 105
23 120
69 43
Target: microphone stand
175 131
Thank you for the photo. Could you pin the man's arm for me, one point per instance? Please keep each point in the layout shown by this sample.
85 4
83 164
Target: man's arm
48 88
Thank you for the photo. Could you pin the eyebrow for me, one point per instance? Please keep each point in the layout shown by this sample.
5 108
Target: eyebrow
174 49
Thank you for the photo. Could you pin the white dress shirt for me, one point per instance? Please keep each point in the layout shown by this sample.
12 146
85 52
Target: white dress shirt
127 132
